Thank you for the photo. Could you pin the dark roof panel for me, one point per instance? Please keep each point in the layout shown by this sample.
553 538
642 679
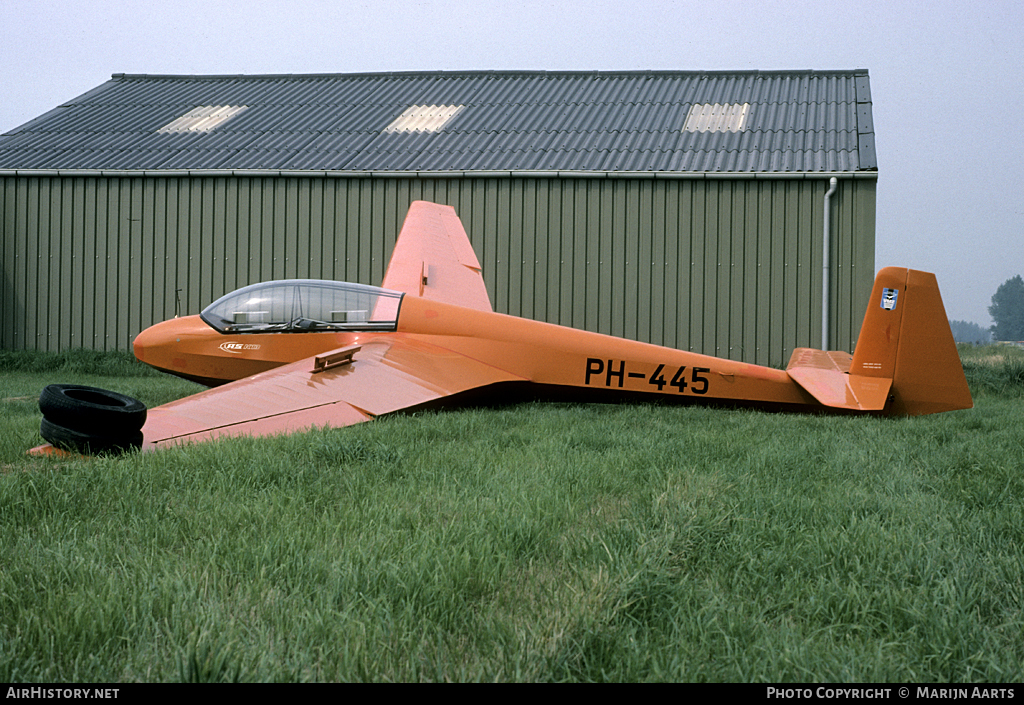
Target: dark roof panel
797 121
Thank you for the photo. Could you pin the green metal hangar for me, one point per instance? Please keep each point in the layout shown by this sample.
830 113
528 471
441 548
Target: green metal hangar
688 209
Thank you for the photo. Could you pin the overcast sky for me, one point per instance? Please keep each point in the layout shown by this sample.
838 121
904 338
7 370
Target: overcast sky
947 83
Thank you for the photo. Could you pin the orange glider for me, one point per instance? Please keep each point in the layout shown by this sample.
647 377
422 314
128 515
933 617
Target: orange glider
291 355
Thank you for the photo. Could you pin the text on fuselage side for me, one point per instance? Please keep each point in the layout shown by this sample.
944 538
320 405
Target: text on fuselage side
614 373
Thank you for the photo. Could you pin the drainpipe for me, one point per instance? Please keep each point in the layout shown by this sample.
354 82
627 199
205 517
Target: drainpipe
826 237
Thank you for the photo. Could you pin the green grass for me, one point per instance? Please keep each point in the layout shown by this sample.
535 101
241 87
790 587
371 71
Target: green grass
535 542
994 369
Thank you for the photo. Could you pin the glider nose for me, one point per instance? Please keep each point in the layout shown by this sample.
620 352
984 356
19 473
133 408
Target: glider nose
161 345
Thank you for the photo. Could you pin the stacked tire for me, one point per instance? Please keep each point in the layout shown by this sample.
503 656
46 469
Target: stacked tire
90 420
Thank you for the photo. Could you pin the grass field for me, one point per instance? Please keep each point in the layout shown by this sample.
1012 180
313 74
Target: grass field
535 542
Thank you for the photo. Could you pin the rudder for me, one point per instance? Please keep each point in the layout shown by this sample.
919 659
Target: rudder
906 337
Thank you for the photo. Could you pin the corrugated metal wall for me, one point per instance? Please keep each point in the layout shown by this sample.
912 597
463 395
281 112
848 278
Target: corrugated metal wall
729 267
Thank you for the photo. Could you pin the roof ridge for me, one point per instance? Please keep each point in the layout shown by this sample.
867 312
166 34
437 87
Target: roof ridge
506 72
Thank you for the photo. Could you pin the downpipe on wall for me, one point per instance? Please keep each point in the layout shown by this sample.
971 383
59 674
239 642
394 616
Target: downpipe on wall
825 255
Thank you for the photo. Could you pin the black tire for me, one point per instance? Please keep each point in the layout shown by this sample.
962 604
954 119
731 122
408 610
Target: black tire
88 443
91 410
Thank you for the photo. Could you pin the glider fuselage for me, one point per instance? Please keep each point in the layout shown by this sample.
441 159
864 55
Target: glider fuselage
562 359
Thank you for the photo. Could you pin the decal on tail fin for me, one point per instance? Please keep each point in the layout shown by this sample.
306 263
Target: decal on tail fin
906 337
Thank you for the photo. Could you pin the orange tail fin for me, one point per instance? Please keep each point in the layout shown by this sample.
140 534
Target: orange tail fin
906 338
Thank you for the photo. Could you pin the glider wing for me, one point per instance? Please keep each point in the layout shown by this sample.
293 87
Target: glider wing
434 260
339 388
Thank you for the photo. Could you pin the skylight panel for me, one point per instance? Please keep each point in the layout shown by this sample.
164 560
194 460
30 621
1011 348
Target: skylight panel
707 117
423 118
203 118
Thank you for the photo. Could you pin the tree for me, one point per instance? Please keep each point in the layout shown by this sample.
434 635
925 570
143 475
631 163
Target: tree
970 332
1007 310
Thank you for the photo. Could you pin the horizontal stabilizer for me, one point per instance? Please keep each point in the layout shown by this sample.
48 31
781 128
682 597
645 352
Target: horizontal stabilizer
825 375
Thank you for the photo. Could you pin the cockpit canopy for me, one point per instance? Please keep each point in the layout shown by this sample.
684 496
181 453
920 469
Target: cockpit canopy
303 305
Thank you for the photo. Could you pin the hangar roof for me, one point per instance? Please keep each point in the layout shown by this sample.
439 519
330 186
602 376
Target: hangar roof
671 122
